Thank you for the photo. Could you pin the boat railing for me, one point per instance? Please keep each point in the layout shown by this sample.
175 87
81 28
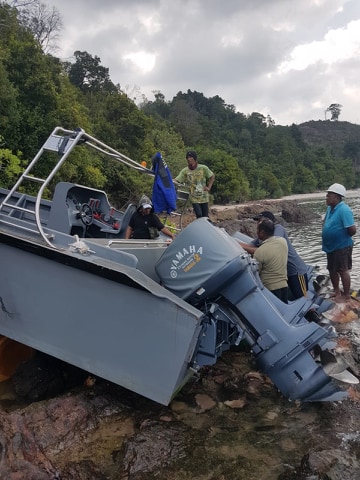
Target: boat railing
133 243
61 142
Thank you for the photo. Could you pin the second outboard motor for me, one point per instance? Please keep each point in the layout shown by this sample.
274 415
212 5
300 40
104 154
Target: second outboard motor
209 269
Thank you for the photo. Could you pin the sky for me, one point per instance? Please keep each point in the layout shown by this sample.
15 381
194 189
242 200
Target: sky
290 59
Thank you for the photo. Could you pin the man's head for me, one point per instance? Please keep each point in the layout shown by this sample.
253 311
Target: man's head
191 158
265 229
264 214
335 193
145 208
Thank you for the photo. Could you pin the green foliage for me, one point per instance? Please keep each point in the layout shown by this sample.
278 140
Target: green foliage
9 111
88 75
186 121
251 157
10 167
304 180
230 182
161 137
34 79
83 167
70 112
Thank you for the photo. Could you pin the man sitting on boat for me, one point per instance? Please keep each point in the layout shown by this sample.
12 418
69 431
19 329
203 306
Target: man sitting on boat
145 224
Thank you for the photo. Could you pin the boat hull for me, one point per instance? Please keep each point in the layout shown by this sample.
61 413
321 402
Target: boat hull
124 328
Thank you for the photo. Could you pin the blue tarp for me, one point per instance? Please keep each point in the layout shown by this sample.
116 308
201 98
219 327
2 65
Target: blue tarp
164 193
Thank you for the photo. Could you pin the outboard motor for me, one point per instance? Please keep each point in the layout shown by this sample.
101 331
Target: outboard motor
209 269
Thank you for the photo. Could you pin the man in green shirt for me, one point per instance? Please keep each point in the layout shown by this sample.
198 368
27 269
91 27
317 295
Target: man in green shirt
272 257
199 179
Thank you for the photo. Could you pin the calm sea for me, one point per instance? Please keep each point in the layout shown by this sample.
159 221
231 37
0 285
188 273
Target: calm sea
307 238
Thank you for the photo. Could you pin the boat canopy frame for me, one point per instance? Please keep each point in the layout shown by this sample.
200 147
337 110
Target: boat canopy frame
62 142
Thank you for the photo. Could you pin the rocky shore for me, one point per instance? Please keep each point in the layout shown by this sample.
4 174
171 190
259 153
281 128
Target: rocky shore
239 217
228 423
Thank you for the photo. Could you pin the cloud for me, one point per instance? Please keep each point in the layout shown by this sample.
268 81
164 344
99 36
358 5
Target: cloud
142 60
287 59
338 45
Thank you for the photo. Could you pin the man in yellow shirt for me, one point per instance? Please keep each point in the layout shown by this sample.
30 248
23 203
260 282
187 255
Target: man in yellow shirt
199 179
272 257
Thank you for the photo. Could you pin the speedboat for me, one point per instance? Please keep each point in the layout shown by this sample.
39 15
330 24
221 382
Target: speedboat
144 314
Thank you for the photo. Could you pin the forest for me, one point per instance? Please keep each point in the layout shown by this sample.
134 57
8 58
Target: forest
251 157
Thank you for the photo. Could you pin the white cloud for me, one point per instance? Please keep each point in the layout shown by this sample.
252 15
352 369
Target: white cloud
144 61
287 59
151 24
231 40
338 45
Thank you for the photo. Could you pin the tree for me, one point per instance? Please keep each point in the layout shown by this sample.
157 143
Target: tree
304 180
231 183
159 108
32 78
186 121
10 167
335 110
9 113
88 75
270 122
43 21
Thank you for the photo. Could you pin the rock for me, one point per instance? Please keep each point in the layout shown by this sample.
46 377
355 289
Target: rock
205 402
44 376
240 217
34 439
228 422
333 464
151 450
104 431
237 403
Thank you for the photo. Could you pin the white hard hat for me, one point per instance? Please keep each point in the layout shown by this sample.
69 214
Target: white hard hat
337 188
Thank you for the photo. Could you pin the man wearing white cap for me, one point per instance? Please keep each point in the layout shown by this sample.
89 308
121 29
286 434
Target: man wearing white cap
145 224
337 243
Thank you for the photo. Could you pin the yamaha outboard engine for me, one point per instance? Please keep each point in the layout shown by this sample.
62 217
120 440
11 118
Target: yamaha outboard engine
209 269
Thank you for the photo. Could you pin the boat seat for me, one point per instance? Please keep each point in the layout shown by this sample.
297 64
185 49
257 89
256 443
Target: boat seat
131 209
123 224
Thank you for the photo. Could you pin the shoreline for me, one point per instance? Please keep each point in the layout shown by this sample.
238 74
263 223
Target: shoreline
288 198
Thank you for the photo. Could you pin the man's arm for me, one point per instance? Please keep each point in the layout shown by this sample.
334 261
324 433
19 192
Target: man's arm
128 233
167 232
248 247
179 179
157 223
209 183
351 230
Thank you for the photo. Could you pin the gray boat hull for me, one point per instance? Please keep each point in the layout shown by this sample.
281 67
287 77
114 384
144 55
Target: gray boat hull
140 336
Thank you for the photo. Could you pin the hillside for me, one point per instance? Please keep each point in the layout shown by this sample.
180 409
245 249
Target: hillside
340 138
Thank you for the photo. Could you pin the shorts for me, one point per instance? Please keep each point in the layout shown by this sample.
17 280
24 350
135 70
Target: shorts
298 285
281 293
340 260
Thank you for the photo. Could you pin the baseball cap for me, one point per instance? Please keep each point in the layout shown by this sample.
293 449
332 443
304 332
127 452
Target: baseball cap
146 205
265 214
